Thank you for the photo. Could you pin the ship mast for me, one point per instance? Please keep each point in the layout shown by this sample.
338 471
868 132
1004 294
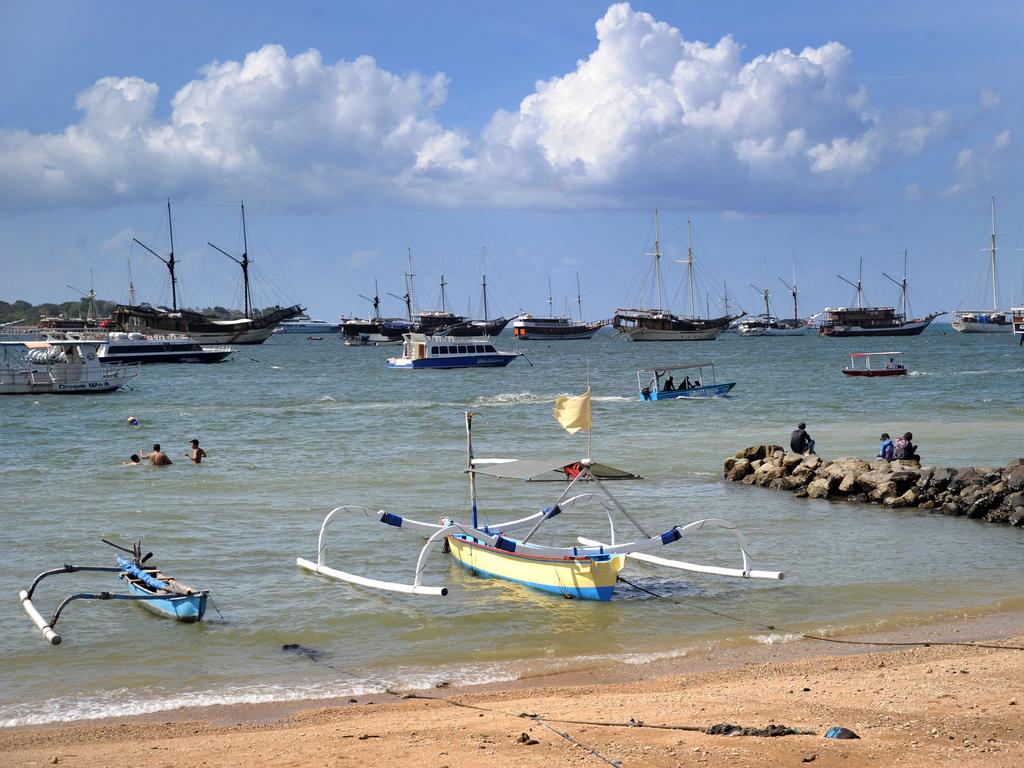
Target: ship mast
551 300
689 263
483 283
793 290
995 300
903 285
657 260
243 263
858 285
375 301
443 284
579 296
169 261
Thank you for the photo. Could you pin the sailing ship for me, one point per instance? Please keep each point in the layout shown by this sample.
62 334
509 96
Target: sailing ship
662 325
377 330
874 321
249 329
994 320
769 325
527 326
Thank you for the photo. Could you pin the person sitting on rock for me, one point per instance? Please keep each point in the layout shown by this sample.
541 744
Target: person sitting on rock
885 447
904 450
800 441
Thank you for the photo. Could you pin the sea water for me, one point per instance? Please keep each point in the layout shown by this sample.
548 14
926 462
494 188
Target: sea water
294 428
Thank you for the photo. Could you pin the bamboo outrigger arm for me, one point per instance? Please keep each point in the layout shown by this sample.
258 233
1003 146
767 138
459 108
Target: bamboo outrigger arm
416 588
746 572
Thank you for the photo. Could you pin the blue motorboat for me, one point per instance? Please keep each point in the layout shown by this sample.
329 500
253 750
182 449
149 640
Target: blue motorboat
422 351
148 586
659 383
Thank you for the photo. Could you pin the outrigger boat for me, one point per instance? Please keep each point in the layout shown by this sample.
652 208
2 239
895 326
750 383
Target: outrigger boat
893 367
153 590
669 389
589 571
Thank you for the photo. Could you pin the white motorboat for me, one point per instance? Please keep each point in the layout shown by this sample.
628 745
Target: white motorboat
59 367
304 324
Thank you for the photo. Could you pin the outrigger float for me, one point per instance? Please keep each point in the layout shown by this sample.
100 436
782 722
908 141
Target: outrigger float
588 572
153 590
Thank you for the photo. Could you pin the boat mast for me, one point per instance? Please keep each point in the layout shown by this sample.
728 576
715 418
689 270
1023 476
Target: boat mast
469 465
375 301
409 286
484 284
903 286
168 261
858 284
443 284
243 263
793 290
657 259
995 300
725 298
131 285
689 262
551 301
579 296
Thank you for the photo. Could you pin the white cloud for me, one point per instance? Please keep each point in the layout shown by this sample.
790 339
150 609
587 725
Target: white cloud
989 98
647 116
975 167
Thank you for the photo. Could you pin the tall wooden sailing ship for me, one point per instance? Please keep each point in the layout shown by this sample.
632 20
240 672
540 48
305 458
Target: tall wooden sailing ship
860 320
660 324
249 329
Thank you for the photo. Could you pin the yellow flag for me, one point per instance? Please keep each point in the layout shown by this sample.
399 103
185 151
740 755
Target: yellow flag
573 413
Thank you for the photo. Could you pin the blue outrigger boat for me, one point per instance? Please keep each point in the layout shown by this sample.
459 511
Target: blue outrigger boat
155 591
661 385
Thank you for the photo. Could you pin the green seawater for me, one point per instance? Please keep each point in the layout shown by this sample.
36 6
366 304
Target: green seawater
294 428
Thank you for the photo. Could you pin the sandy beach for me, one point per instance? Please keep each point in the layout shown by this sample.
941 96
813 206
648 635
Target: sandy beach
913 706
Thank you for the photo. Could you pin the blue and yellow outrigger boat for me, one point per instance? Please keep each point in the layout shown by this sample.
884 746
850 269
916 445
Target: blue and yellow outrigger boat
148 586
588 571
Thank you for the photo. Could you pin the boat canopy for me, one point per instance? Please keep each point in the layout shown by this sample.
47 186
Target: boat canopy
676 367
541 470
875 354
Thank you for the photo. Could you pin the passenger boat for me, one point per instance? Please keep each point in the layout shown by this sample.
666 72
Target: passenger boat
588 570
139 348
653 384
423 351
662 325
1017 313
249 329
874 321
147 585
985 320
549 328
59 367
891 367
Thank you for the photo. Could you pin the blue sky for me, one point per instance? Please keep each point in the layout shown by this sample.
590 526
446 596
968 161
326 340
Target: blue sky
545 133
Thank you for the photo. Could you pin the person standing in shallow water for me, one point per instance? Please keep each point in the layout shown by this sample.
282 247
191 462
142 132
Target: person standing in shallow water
800 441
156 457
197 454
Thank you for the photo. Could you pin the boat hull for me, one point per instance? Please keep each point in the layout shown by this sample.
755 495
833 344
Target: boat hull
665 334
875 374
186 608
993 322
485 360
583 578
694 393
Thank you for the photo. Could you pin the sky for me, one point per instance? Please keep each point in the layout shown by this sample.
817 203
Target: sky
528 141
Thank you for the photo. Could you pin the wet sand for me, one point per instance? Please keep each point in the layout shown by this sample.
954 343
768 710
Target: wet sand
913 706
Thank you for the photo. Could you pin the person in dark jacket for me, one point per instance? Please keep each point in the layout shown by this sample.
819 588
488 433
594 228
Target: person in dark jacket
800 441
885 447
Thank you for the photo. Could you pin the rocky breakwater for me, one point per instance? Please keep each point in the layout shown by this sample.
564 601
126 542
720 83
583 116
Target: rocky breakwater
994 494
